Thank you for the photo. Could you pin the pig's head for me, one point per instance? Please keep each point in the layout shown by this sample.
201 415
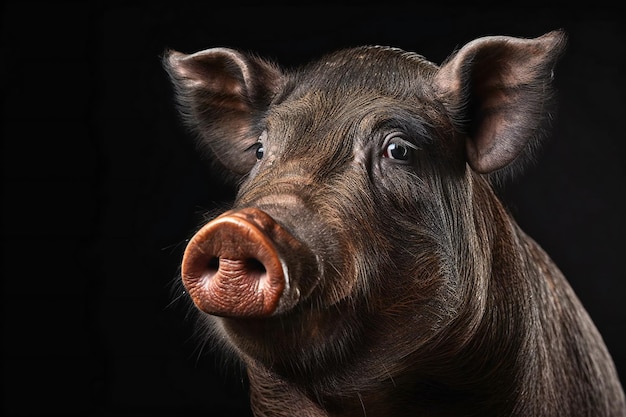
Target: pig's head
364 219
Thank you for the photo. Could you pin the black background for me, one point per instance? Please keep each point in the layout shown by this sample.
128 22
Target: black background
101 184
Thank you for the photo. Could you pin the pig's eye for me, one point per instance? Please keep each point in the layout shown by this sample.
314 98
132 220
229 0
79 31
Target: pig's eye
259 151
399 149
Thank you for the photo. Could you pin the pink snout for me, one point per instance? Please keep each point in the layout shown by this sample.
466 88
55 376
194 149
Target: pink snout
233 266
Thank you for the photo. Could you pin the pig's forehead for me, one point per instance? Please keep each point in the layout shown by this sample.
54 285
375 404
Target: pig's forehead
368 59
356 90
358 87
367 69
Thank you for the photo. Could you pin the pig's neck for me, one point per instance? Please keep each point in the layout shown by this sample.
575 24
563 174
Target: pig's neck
524 332
535 352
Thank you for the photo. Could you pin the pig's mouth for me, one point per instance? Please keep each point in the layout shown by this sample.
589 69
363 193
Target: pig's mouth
235 266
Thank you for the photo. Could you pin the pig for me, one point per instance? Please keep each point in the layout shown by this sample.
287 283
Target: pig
366 266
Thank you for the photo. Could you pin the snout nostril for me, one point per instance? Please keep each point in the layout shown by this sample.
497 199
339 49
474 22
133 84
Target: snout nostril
254 265
214 264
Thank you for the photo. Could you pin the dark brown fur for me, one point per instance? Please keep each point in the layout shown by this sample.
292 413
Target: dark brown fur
431 301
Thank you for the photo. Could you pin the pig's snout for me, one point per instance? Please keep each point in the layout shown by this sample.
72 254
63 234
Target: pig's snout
235 266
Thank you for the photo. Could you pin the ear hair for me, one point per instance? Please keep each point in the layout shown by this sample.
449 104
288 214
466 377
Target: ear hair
498 92
222 95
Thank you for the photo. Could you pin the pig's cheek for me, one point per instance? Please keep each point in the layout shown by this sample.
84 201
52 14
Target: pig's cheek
341 278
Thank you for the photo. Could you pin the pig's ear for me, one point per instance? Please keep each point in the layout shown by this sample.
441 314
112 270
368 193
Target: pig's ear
497 90
222 95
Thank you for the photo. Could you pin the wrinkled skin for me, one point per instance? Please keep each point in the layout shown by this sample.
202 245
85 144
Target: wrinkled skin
367 266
